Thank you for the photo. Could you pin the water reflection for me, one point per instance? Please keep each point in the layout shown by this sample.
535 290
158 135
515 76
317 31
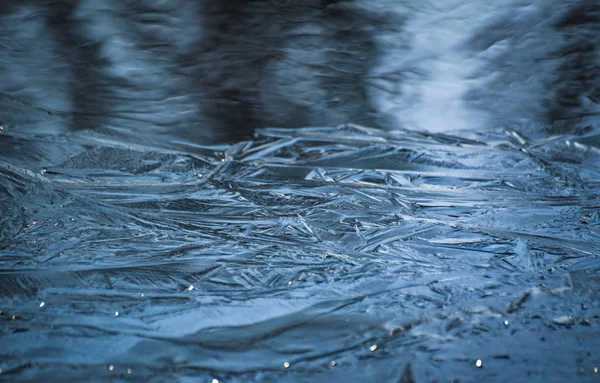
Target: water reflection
213 70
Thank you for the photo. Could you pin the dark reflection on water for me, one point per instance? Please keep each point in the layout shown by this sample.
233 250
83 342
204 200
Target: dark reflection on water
457 239
214 70
204 70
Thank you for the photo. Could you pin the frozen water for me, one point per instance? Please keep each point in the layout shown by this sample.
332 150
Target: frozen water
456 238
344 252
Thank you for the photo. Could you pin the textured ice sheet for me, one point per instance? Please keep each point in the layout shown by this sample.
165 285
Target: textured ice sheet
317 254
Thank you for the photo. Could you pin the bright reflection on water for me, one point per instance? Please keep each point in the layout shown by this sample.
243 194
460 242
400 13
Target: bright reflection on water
144 229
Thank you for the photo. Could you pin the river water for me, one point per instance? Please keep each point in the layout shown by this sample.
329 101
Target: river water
196 191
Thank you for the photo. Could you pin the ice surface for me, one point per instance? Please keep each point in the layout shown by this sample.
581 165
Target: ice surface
343 253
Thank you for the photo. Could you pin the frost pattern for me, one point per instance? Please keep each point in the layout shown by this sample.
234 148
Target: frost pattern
341 253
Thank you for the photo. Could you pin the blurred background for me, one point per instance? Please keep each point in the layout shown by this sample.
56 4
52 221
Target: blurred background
213 71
